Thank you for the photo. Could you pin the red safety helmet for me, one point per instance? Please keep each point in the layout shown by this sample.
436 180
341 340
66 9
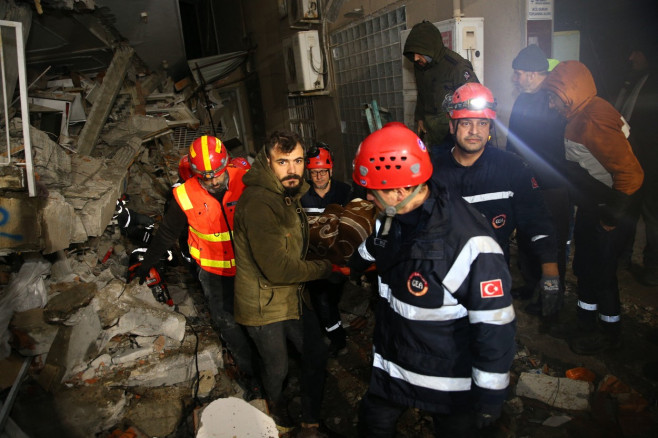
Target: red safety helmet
208 157
240 163
472 101
184 170
391 157
319 157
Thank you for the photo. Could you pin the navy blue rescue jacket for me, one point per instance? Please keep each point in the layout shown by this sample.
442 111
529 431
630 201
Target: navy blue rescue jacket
445 324
339 193
502 187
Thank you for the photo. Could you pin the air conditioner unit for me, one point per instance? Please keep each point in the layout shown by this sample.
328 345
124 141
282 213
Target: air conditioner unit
300 11
303 62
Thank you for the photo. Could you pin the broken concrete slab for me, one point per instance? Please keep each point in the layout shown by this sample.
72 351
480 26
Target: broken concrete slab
51 161
131 355
143 127
206 383
149 321
103 102
64 305
559 392
21 229
61 226
32 335
75 346
87 411
231 417
157 413
172 369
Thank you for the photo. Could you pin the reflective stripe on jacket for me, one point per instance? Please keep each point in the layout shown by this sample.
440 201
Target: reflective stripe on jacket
210 225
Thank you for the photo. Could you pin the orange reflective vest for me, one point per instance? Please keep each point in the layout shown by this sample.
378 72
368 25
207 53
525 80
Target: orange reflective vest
210 232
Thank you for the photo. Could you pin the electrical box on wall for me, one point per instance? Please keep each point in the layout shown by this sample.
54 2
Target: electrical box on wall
464 36
303 62
303 11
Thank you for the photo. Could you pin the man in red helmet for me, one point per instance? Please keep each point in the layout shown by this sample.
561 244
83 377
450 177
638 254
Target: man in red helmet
324 191
445 324
499 185
205 204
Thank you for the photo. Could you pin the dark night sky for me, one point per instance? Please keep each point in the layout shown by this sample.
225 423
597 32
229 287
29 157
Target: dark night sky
607 29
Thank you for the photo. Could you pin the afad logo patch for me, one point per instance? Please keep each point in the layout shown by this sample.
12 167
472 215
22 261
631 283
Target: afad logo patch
491 288
499 221
417 285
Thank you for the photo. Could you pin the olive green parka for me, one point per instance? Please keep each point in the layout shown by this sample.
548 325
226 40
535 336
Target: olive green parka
271 240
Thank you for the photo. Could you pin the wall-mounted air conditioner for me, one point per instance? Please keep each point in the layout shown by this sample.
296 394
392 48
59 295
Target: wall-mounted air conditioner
303 11
303 61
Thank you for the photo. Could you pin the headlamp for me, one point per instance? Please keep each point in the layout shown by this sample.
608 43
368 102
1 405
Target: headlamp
476 104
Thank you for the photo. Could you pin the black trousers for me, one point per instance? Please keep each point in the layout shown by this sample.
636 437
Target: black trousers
218 291
272 343
595 265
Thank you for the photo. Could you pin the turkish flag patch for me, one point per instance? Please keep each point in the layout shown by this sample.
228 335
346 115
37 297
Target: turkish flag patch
491 288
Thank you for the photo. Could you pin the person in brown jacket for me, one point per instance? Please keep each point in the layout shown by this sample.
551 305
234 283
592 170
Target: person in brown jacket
603 173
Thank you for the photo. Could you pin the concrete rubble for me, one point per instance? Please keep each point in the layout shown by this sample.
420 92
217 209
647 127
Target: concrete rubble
559 392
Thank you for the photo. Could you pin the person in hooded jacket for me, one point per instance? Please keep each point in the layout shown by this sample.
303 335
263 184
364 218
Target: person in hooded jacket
603 173
439 72
271 241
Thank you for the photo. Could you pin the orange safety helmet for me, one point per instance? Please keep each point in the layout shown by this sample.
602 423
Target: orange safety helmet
472 101
208 157
319 157
184 171
392 157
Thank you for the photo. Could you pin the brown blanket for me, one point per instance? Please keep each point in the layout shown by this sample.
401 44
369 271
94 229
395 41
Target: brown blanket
337 233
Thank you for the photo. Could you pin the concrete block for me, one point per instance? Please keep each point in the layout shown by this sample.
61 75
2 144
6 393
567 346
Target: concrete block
131 355
58 220
64 305
103 103
21 226
51 161
148 321
107 303
32 335
88 410
231 417
559 392
74 346
157 414
206 383
171 370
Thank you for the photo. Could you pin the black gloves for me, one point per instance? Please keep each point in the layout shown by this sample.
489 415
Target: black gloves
138 270
549 290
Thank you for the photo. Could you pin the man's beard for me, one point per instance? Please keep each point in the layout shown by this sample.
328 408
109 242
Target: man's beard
322 187
215 190
292 191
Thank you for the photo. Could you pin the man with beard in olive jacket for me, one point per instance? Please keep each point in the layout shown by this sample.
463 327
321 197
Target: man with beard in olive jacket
271 240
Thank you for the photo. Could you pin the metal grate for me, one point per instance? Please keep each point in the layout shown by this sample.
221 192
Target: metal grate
368 66
302 118
183 136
